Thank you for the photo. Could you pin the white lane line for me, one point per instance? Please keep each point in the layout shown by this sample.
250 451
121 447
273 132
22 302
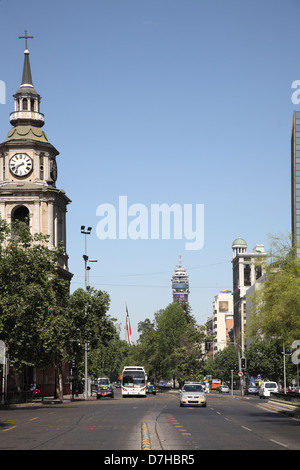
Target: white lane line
279 443
247 429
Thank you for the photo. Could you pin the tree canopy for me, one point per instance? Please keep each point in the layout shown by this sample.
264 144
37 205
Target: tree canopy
171 346
275 309
33 297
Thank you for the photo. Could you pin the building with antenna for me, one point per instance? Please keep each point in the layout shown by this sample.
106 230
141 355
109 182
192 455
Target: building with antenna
180 284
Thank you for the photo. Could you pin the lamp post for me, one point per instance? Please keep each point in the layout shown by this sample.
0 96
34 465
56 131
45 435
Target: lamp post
86 269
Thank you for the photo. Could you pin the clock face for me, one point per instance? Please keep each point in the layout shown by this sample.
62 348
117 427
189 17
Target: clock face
20 164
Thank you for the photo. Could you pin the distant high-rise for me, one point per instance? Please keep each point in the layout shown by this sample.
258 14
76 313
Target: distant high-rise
180 284
295 167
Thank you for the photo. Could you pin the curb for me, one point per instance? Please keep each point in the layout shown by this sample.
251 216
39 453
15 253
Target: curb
146 444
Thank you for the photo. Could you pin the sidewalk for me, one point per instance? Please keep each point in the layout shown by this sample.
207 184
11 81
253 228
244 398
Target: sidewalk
283 407
49 400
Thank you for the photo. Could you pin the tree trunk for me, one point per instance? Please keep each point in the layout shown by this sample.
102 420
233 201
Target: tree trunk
59 382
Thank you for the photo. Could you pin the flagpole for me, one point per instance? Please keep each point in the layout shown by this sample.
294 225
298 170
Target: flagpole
126 334
128 326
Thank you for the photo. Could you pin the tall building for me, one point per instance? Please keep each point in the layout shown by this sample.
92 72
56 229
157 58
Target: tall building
28 192
295 186
180 284
221 321
28 170
247 268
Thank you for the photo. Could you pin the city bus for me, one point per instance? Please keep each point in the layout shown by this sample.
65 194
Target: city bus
215 383
133 380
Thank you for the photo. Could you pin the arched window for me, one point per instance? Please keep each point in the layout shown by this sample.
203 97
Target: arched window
22 214
25 104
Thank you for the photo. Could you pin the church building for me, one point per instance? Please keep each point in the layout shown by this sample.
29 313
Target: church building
28 170
28 192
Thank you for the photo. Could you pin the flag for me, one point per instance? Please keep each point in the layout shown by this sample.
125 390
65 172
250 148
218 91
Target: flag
128 327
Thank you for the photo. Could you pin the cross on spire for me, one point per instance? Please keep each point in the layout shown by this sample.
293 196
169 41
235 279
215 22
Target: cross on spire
26 37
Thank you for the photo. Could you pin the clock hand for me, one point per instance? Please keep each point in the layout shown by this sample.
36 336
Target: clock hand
20 164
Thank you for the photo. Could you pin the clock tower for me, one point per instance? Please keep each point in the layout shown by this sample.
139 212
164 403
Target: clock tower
28 170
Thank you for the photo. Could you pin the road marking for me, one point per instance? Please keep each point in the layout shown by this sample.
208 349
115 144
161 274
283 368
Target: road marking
8 429
145 440
32 419
247 429
279 443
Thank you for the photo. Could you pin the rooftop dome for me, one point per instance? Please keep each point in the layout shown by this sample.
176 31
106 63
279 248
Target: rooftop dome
239 242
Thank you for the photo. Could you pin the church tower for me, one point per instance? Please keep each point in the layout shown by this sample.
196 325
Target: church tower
28 170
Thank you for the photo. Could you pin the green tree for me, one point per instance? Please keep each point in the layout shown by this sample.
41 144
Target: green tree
171 346
33 298
90 323
223 363
146 352
264 358
189 353
171 324
275 309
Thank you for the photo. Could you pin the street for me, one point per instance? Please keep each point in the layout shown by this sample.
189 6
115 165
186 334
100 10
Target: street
227 423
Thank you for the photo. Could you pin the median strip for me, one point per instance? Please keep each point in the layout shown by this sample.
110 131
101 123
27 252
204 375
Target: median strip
146 444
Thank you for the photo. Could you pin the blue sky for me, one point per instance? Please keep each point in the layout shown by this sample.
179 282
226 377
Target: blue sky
162 101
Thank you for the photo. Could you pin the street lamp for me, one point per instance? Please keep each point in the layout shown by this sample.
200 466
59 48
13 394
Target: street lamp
88 270
86 259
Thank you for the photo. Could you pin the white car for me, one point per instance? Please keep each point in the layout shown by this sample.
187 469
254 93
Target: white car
223 389
192 395
266 388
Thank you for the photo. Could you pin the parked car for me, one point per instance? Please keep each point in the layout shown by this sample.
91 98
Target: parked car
266 388
252 390
192 394
151 389
105 391
224 389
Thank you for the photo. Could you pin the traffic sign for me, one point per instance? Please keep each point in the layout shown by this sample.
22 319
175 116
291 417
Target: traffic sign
240 374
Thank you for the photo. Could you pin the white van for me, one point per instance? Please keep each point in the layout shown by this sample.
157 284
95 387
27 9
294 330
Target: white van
266 388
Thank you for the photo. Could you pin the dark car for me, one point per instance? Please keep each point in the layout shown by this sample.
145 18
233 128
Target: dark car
252 390
151 389
105 391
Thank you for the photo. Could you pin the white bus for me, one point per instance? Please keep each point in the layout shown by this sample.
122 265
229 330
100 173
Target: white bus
133 381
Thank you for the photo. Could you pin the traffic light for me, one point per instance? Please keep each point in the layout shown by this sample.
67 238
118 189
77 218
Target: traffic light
243 363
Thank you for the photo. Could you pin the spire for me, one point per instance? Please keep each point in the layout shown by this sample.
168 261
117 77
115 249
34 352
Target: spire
180 262
27 100
26 78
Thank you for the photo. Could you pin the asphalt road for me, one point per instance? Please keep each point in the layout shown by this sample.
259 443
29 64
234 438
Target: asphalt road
226 423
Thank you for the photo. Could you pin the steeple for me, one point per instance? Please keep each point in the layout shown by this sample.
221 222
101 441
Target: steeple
27 100
26 78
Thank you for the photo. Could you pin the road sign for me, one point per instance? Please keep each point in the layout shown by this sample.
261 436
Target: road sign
2 353
240 374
